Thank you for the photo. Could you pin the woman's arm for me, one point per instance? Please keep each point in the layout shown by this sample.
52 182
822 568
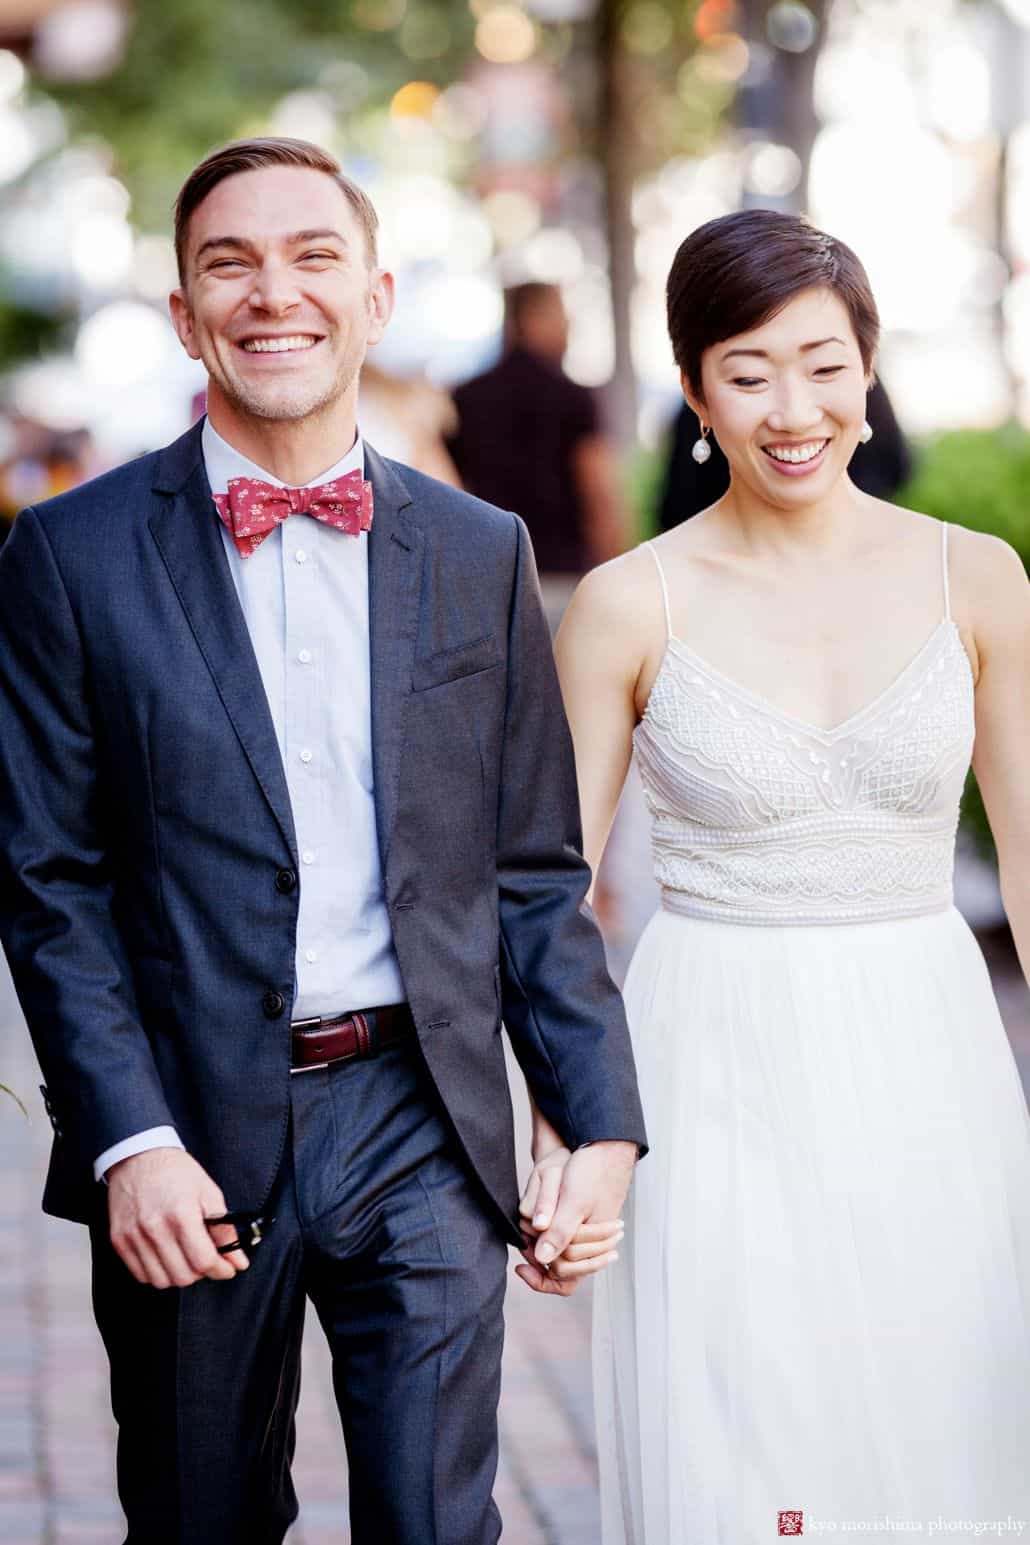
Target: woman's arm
996 583
602 649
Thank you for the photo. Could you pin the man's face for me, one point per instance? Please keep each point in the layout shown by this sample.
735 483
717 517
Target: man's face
279 300
545 326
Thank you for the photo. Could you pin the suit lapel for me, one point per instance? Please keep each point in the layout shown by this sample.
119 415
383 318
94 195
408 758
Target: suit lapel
394 579
185 529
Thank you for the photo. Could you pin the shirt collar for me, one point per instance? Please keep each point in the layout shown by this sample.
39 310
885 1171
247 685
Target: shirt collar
223 461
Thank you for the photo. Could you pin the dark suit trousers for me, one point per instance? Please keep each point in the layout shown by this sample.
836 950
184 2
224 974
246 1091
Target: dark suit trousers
379 1223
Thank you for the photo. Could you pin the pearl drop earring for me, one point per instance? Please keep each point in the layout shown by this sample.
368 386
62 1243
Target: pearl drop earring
702 450
865 434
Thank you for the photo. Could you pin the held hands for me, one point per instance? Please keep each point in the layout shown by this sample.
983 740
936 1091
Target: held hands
157 1202
570 1211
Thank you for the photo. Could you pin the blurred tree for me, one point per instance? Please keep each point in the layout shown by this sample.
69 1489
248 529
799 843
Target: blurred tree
669 76
647 79
195 74
776 103
664 76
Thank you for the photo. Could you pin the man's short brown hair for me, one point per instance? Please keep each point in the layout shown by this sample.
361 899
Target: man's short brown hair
252 155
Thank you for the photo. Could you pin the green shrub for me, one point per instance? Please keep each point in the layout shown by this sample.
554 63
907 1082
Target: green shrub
645 474
977 478
980 479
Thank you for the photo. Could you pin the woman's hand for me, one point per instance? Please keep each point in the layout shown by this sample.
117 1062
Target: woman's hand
592 1247
550 1157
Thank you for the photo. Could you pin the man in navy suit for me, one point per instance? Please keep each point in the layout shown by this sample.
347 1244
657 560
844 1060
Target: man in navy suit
288 823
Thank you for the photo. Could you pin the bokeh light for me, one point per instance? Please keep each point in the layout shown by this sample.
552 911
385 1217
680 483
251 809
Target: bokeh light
647 27
12 75
724 58
80 40
505 35
415 100
773 171
714 18
791 26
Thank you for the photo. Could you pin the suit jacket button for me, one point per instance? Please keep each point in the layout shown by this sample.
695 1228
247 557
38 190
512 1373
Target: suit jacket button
286 881
273 1004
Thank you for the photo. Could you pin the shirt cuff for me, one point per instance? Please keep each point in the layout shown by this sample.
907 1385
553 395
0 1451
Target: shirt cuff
153 1137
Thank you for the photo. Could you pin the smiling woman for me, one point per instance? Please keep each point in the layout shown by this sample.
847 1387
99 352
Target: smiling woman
737 272
829 1247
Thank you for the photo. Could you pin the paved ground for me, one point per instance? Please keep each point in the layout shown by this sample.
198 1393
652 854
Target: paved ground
56 1438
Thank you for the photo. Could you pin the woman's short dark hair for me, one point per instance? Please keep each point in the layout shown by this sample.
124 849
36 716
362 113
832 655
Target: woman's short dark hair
736 272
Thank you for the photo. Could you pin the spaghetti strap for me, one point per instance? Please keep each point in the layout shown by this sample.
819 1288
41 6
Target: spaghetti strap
944 569
665 589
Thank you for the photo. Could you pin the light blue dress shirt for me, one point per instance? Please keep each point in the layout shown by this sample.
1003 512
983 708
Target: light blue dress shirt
304 595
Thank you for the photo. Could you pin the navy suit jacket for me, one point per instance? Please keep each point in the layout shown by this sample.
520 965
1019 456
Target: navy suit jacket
148 863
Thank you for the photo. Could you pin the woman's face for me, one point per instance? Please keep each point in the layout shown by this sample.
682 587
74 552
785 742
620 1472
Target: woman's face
787 400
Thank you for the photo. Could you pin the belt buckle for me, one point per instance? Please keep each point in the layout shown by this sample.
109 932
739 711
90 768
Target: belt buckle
307 1024
318 1019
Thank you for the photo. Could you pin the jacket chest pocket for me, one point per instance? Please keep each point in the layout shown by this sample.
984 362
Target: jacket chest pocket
447 665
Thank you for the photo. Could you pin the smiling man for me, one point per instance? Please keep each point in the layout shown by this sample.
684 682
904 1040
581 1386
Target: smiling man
288 823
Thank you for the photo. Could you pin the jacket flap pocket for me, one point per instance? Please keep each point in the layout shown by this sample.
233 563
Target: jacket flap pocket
452 664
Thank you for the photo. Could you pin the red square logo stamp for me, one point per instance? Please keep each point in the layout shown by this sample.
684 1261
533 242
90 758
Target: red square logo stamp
791 1523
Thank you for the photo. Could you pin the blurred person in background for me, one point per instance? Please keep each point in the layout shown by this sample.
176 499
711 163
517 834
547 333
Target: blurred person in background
880 467
408 420
530 439
822 1318
37 462
288 824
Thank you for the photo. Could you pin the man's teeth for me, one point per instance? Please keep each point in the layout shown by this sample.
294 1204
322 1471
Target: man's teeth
278 345
795 453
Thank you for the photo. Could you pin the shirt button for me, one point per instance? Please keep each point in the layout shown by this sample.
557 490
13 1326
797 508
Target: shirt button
311 956
305 755
307 856
300 555
305 657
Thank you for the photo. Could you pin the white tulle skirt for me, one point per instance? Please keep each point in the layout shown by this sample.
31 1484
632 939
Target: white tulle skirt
823 1302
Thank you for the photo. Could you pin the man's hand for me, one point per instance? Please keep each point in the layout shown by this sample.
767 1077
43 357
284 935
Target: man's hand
580 1230
157 1202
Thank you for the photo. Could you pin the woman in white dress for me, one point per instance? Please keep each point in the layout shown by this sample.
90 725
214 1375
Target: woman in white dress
821 1319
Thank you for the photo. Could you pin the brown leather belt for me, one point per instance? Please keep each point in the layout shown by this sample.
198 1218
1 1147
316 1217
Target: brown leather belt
318 1042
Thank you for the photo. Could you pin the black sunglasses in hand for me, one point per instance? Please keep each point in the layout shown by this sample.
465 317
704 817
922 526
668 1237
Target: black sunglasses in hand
253 1225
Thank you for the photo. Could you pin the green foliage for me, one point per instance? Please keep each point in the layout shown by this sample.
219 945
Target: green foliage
644 474
26 334
980 479
196 74
977 478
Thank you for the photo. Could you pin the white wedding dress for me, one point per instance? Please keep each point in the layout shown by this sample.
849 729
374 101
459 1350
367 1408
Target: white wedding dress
823 1302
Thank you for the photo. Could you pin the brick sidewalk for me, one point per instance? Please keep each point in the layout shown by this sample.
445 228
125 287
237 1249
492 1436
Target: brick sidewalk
56 1432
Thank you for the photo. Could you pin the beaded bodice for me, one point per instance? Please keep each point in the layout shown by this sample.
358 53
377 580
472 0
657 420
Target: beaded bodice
758 817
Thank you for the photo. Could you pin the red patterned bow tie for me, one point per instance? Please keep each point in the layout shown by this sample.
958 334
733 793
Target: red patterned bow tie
251 509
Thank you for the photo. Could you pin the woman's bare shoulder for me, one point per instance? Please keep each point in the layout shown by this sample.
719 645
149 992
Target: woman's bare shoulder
622 592
615 622
989 584
981 559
